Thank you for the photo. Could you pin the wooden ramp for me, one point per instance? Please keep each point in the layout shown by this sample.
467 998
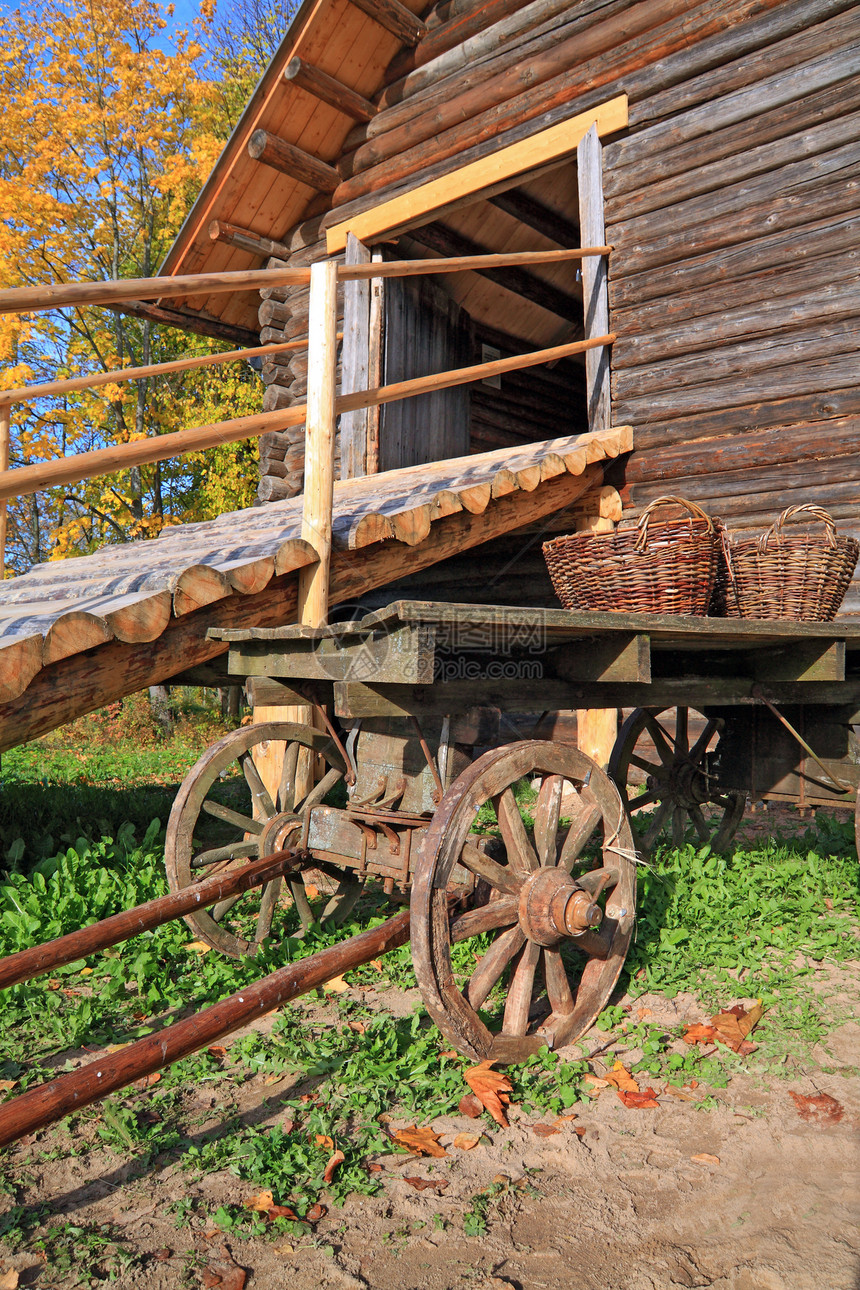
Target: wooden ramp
76 634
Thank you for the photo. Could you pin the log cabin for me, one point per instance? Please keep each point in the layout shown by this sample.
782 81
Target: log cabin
713 147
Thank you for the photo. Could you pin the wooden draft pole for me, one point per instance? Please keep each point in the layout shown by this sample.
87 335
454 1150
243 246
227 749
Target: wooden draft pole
314 579
597 728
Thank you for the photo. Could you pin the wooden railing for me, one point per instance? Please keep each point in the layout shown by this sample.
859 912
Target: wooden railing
319 414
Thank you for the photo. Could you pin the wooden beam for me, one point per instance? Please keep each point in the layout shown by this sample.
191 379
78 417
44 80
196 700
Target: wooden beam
328 90
245 240
430 199
275 152
355 363
395 18
25 300
537 217
595 294
319 443
466 263
441 238
86 465
194 324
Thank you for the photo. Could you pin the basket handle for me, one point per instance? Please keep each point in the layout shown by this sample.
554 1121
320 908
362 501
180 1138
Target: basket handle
696 513
815 513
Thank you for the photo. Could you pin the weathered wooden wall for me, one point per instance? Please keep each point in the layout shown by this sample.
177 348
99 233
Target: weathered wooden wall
731 202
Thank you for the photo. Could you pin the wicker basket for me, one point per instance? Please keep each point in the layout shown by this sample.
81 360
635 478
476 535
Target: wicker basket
658 567
802 577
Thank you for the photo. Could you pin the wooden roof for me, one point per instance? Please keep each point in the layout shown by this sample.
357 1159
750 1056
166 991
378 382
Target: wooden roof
336 37
76 634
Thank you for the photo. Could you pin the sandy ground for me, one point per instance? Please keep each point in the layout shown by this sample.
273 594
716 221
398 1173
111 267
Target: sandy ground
614 1199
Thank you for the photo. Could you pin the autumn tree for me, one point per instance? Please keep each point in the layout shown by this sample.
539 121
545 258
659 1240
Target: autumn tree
110 123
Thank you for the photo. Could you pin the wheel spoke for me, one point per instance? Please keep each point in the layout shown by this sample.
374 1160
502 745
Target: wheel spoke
268 901
558 988
656 769
232 817
659 819
700 824
579 833
678 827
315 796
480 864
699 747
287 786
547 814
300 899
662 740
262 799
492 965
486 918
237 851
682 742
224 906
644 799
521 855
520 991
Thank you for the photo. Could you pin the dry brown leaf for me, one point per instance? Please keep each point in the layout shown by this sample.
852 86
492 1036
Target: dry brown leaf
336 985
698 1033
580 1130
87 971
259 1203
704 1159
734 1024
466 1141
162 1255
544 1130
820 1108
676 1092
565 1119
148 1080
595 1082
642 1013
273 1079
9 1280
619 1077
376 964
315 1213
491 1088
421 1142
426 1184
311 891
223 1272
217 1050
280 1211
358 1026
6 1086
198 947
323 1140
646 1100
471 1106
449 1052
337 1159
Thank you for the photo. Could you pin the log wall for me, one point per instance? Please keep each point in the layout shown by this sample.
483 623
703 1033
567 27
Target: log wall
731 204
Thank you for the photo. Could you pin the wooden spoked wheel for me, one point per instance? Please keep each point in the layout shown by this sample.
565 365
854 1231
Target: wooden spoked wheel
676 787
224 816
556 901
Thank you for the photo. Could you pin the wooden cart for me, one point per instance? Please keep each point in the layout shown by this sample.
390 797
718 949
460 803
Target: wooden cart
408 696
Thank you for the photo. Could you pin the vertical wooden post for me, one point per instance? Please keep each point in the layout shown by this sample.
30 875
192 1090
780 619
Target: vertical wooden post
5 424
595 293
597 728
356 354
320 424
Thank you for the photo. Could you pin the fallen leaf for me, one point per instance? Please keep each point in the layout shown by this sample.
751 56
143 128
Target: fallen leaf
595 1082
70 994
311 891
315 1213
374 1169
619 1077
466 1141
336 985
223 1272
284 1248
148 1080
698 1033
642 1013
198 947
449 1052
337 1159
544 1130
734 1024
819 1108
704 1159
6 1085
263 1201
565 1119
217 1050
117 1048
426 1184
491 1088
273 1079
323 1140
9 1280
87 971
580 1131
358 1026
421 1142
281 1211
644 1100
162 1255
676 1092
471 1106
52 984
376 964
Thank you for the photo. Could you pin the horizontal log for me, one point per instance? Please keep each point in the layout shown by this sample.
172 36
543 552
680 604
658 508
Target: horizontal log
272 151
96 1080
408 151
31 479
464 263
245 240
539 218
395 18
51 955
328 90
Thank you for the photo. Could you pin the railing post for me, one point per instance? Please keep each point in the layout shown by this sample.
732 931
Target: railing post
320 426
5 425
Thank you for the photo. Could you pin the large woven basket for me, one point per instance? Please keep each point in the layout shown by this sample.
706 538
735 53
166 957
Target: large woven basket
657 567
802 577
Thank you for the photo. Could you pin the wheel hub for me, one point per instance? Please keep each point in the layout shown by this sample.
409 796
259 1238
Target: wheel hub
279 833
552 907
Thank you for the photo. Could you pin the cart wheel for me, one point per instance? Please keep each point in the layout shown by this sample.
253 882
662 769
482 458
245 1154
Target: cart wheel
555 921
677 781
210 831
